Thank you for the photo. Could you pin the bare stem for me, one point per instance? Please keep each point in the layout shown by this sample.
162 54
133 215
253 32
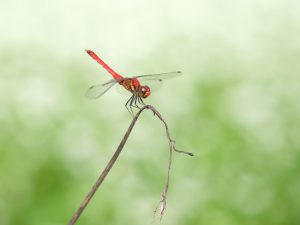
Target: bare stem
110 164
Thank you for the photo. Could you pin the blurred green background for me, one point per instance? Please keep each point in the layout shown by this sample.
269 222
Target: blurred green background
236 107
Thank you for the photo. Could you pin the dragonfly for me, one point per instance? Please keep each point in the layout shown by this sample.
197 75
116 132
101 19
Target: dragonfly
131 84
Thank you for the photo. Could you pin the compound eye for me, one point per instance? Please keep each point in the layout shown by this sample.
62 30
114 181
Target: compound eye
144 90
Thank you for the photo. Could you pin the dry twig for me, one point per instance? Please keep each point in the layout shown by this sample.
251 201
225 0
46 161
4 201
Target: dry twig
110 164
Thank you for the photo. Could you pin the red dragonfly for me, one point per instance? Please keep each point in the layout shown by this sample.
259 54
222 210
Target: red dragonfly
131 84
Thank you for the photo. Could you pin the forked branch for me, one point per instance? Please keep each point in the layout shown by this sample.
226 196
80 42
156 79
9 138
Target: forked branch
110 164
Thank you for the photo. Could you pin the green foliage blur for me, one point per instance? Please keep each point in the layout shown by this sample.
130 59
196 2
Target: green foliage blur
236 107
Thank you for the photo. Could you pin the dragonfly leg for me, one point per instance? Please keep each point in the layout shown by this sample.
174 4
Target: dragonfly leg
141 101
129 109
132 103
135 103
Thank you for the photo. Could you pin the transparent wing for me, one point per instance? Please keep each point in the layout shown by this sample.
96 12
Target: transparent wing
159 76
98 90
154 84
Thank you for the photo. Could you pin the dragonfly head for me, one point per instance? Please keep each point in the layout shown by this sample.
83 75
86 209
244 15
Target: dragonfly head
145 91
